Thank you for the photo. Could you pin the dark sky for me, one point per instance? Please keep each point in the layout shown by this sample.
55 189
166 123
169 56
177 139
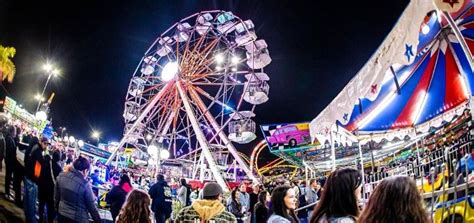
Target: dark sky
316 47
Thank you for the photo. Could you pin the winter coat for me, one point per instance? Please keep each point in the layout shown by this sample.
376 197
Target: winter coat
236 209
116 198
160 194
205 211
35 157
74 198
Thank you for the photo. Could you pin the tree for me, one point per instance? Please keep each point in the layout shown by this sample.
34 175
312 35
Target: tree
7 68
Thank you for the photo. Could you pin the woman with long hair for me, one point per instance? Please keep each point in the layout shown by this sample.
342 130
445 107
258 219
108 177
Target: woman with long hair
116 197
261 207
184 193
395 199
136 209
340 197
235 207
283 205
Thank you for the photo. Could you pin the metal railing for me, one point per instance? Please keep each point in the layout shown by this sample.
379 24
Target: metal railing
442 176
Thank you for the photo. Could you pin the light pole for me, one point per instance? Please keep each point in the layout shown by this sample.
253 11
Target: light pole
51 71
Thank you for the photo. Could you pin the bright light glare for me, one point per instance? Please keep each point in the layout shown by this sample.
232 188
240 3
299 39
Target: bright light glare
47 67
164 154
169 71
425 29
234 69
235 60
41 116
149 137
95 134
80 143
56 72
227 107
219 58
72 139
153 151
38 97
218 68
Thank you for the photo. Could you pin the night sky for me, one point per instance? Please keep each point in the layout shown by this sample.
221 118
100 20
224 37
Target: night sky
316 49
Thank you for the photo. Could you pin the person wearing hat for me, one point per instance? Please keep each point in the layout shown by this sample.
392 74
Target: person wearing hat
208 209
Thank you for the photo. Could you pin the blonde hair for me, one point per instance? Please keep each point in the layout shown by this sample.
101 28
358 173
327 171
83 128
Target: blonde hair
136 208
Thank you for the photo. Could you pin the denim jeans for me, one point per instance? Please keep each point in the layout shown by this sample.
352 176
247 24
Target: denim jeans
31 193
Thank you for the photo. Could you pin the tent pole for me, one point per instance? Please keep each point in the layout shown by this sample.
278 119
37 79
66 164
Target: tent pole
361 160
459 37
333 151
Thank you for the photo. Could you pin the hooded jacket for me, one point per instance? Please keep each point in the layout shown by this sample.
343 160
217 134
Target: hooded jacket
160 194
205 211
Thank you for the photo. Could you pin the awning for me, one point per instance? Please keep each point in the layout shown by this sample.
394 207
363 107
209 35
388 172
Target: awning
438 81
399 47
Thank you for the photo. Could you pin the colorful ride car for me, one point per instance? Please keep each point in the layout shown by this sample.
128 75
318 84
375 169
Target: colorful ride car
459 209
292 135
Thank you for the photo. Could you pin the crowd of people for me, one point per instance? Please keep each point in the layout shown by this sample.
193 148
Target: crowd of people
63 187
396 199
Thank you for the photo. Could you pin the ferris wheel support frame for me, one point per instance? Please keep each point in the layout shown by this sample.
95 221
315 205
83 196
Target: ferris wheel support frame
222 136
200 137
138 121
160 140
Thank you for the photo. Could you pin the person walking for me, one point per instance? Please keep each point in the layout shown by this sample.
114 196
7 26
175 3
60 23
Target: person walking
395 199
136 209
116 197
207 209
283 205
160 194
74 199
33 167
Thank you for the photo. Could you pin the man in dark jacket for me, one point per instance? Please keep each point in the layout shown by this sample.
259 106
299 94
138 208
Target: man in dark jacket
160 193
33 165
116 197
73 195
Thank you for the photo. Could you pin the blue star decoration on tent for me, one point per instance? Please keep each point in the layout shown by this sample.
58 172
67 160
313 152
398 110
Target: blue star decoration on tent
345 117
451 2
408 51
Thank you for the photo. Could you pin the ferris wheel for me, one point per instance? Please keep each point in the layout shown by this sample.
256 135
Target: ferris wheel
196 89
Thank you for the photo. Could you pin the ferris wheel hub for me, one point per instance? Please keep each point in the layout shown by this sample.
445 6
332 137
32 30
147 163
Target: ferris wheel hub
170 71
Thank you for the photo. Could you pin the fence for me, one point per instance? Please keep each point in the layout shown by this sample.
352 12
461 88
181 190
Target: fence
443 177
